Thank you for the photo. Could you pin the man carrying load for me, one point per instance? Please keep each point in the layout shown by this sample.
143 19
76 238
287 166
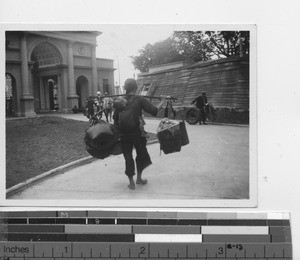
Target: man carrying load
127 117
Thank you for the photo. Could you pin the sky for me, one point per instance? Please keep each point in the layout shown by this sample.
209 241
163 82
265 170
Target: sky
119 42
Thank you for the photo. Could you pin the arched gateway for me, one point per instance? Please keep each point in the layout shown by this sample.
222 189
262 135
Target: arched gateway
47 91
53 71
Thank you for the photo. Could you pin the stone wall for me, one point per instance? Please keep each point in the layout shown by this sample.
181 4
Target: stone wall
225 81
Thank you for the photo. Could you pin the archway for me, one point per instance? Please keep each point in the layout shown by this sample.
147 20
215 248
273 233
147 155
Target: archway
46 55
10 95
47 90
82 90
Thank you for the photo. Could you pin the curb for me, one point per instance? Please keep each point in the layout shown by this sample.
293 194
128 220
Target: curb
227 124
24 185
21 186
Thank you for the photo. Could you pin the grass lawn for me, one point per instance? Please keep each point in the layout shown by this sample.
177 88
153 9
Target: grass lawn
37 145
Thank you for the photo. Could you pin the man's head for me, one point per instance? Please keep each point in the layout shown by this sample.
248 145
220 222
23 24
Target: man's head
203 93
130 86
98 93
105 94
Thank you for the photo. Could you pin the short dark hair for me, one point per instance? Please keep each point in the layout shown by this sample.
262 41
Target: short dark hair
130 85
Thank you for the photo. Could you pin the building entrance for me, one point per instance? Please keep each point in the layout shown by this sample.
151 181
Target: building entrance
82 90
46 75
53 94
49 95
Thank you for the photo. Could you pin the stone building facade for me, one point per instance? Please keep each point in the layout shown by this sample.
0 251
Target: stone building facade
53 71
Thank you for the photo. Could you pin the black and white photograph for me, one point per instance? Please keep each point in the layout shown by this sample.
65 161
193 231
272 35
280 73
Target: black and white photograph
130 115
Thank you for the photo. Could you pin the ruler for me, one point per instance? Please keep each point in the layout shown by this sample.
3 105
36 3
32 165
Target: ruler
144 235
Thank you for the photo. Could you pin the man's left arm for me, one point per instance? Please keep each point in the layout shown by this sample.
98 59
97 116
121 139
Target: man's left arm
149 108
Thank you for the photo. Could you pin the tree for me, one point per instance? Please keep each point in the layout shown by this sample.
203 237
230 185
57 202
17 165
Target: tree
228 43
193 46
155 54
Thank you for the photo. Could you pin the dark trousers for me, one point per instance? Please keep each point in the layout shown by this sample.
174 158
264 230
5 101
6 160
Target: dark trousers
90 112
108 112
142 160
202 115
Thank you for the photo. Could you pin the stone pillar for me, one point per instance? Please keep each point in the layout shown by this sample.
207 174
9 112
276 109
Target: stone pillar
27 102
117 90
72 97
94 72
42 93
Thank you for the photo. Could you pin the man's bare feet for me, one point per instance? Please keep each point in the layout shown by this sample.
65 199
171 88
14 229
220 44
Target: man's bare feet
131 186
141 181
131 183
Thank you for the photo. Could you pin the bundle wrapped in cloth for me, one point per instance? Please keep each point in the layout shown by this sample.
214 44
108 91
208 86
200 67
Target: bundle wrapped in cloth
172 135
102 140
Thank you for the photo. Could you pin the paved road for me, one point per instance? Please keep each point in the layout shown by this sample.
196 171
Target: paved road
215 165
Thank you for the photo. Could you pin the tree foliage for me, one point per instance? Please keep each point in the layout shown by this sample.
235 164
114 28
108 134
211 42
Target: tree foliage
228 43
193 46
155 54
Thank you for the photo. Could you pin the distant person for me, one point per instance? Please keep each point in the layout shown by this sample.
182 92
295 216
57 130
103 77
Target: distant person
99 104
107 106
89 105
200 103
75 109
169 108
128 119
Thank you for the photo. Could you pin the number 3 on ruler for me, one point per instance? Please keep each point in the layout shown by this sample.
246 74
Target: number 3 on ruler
220 250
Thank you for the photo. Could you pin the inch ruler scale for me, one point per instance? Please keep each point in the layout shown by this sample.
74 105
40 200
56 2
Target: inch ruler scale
90 235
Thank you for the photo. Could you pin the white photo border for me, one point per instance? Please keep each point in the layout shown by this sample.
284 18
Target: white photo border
158 204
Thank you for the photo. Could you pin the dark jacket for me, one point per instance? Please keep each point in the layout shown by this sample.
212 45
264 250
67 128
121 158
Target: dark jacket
200 101
128 118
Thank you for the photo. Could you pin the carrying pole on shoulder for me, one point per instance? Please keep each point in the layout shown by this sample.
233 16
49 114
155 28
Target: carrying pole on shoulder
150 97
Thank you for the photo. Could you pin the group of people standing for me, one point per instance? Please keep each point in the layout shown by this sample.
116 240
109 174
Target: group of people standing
100 104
